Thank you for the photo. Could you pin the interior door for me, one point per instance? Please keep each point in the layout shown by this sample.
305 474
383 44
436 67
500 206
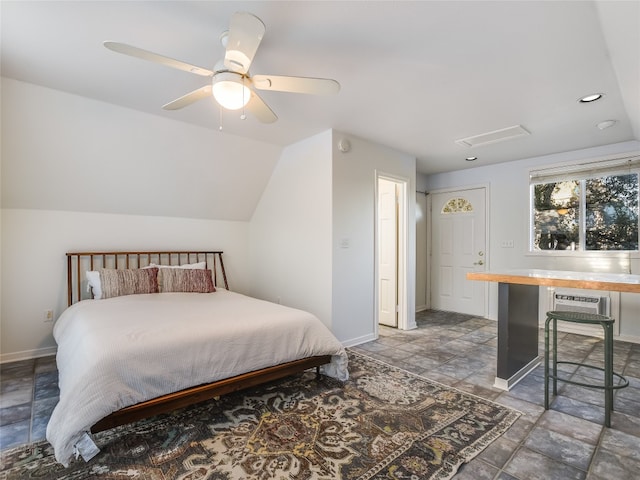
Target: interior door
388 252
458 239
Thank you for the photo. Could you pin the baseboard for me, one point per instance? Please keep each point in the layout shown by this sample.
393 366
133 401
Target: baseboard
627 338
27 354
421 308
359 340
508 383
592 331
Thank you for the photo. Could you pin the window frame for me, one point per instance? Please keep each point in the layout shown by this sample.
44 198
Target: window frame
581 171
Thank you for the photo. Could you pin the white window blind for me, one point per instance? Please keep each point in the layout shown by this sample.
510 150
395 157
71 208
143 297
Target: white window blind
584 170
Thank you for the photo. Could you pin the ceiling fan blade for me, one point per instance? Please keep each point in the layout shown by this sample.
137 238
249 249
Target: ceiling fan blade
189 98
245 34
154 57
314 86
260 110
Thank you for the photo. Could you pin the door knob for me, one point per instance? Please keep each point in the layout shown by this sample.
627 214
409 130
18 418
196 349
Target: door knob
480 262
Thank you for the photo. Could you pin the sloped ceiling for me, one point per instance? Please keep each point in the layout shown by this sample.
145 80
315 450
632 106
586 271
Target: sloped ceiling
415 76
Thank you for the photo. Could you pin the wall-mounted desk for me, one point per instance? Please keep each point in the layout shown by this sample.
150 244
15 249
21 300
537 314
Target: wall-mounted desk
518 311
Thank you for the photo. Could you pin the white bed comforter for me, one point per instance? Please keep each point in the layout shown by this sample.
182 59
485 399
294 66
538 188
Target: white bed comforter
121 351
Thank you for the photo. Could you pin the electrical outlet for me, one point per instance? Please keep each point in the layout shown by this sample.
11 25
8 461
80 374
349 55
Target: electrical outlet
48 316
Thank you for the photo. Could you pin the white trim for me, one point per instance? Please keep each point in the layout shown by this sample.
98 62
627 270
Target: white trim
360 340
429 250
28 354
404 323
508 384
628 338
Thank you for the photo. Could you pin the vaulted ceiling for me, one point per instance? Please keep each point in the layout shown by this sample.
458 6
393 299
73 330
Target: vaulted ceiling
415 76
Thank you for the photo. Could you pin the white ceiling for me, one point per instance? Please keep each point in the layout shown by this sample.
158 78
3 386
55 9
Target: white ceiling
415 76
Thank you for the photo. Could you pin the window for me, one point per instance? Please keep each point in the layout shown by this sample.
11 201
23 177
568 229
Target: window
587 207
457 205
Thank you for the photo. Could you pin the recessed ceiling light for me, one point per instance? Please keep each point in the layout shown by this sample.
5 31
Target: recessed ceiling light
606 124
591 98
471 159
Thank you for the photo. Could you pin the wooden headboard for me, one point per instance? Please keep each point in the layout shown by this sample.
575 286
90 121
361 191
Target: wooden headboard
79 262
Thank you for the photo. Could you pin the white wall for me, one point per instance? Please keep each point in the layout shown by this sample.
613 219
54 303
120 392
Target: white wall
290 230
65 152
354 209
34 243
509 220
316 197
78 174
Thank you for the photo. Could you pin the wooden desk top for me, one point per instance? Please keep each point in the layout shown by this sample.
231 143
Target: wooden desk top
620 282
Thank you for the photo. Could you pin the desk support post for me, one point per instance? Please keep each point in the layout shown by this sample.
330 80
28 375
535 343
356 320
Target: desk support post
517 333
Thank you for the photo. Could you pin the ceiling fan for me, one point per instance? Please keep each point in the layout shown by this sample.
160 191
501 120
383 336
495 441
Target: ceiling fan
231 84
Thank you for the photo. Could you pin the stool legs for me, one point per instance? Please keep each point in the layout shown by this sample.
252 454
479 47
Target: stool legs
555 356
546 360
608 386
546 364
608 372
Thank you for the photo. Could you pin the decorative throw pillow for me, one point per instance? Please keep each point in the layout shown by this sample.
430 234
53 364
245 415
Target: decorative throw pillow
185 266
116 283
187 280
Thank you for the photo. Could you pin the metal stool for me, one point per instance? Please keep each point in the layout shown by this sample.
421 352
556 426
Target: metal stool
608 387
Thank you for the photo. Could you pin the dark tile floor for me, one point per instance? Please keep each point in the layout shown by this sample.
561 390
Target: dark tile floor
566 442
28 394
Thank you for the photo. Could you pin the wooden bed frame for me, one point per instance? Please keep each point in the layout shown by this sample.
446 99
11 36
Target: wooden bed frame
79 262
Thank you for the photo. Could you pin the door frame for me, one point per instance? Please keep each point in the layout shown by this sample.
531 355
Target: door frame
403 239
487 214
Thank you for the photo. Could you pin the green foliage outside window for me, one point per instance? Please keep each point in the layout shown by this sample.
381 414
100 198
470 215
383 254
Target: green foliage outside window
592 214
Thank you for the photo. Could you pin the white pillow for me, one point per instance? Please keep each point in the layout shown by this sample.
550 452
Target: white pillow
93 284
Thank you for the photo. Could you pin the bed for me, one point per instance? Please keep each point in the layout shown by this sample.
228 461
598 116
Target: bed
158 331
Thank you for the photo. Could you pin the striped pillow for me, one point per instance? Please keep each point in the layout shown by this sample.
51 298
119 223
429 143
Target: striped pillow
116 283
187 280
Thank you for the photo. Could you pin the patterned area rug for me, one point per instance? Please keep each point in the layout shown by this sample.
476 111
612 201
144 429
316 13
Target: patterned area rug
384 423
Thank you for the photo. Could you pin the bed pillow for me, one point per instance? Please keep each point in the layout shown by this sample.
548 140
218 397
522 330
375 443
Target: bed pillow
93 284
187 280
186 266
116 283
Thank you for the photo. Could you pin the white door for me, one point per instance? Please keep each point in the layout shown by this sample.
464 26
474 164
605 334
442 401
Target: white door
388 252
458 239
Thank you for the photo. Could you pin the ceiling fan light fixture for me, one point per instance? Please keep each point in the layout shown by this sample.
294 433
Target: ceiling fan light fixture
229 91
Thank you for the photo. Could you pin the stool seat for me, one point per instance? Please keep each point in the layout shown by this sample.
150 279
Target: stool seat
587 318
580 317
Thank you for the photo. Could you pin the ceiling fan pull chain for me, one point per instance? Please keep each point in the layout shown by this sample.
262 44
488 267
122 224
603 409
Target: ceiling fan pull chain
220 128
243 115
